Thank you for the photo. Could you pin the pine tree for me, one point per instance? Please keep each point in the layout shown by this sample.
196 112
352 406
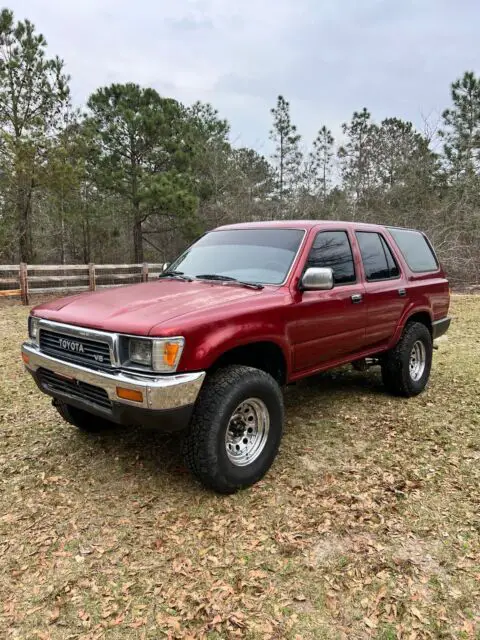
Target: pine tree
287 156
320 162
403 170
64 180
461 134
462 127
144 153
33 93
356 155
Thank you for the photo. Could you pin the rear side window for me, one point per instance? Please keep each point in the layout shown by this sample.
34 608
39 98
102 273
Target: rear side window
332 249
415 249
378 261
392 265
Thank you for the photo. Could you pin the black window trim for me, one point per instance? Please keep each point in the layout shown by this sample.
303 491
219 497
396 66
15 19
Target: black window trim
386 246
336 230
429 245
379 233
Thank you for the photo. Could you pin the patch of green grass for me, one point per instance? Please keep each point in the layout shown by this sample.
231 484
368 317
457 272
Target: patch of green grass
387 633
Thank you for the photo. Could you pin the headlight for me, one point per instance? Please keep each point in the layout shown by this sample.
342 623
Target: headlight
140 352
33 324
159 354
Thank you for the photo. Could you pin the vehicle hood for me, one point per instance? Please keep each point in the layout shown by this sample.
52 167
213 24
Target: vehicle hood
139 309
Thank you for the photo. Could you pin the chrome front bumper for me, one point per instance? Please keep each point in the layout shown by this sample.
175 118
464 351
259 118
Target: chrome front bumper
160 393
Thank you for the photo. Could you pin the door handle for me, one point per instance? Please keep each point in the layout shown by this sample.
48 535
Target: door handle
402 292
356 298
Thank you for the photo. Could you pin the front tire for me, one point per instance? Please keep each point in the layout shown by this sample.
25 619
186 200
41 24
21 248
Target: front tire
235 430
406 368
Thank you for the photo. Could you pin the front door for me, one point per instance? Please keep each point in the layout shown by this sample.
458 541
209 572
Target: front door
327 325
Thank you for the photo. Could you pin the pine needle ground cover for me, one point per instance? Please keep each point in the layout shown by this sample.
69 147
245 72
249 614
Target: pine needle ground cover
368 525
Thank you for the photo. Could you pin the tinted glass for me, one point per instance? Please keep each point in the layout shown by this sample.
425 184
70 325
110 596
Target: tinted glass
332 249
254 255
393 269
377 259
415 249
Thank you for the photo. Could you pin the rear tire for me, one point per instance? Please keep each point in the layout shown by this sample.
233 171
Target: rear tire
87 422
235 430
406 368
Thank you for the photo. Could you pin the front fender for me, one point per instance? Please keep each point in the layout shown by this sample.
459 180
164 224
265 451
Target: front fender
204 349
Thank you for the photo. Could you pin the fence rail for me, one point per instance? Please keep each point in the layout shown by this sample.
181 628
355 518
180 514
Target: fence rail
24 280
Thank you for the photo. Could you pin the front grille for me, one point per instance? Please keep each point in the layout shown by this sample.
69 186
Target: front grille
74 388
75 349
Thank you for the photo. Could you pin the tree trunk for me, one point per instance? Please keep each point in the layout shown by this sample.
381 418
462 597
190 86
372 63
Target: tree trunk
137 220
24 211
86 236
137 237
86 240
324 185
281 168
62 239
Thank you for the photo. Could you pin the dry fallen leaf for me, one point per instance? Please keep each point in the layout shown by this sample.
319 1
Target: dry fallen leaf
299 598
54 616
371 624
417 614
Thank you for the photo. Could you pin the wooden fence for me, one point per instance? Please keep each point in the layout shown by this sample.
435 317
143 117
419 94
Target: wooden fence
25 280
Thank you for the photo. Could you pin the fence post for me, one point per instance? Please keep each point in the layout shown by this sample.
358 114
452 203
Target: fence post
23 280
145 272
91 276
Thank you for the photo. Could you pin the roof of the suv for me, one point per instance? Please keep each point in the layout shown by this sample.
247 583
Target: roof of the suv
300 224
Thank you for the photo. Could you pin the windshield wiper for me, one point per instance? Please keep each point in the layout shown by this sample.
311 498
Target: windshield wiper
179 275
227 279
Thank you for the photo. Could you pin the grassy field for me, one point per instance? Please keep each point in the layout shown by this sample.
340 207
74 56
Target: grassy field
368 525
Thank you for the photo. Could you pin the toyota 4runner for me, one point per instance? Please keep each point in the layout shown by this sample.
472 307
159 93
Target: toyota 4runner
246 309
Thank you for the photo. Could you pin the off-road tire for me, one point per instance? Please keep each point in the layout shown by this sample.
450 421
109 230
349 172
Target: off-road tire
396 373
204 445
83 420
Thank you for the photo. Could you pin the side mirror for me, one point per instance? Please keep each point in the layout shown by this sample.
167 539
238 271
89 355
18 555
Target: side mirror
317 279
165 266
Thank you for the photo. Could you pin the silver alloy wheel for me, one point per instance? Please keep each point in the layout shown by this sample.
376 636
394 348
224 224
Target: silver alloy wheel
247 432
418 359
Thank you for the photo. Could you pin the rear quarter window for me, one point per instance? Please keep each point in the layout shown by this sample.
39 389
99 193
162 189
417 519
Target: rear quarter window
415 249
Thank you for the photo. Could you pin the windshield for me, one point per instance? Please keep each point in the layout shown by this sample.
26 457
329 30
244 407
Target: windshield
253 255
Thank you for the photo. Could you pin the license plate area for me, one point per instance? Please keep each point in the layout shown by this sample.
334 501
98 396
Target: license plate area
53 383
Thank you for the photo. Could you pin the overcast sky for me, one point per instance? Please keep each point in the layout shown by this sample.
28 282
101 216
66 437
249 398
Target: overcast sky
327 57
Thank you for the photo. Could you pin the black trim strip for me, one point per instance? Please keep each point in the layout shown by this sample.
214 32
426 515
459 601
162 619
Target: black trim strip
440 327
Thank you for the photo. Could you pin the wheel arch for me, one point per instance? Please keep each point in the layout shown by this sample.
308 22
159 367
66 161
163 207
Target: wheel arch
265 355
423 315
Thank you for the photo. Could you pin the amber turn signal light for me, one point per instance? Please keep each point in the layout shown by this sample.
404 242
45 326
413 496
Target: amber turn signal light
129 394
25 358
170 353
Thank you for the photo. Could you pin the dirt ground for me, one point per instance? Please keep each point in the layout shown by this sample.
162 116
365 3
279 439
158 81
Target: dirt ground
368 525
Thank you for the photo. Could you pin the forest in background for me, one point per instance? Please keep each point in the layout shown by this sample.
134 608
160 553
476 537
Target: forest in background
135 176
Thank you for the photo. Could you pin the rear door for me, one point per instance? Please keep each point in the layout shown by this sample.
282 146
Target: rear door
329 324
386 292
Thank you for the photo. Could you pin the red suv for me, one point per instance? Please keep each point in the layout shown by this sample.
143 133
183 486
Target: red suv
246 309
